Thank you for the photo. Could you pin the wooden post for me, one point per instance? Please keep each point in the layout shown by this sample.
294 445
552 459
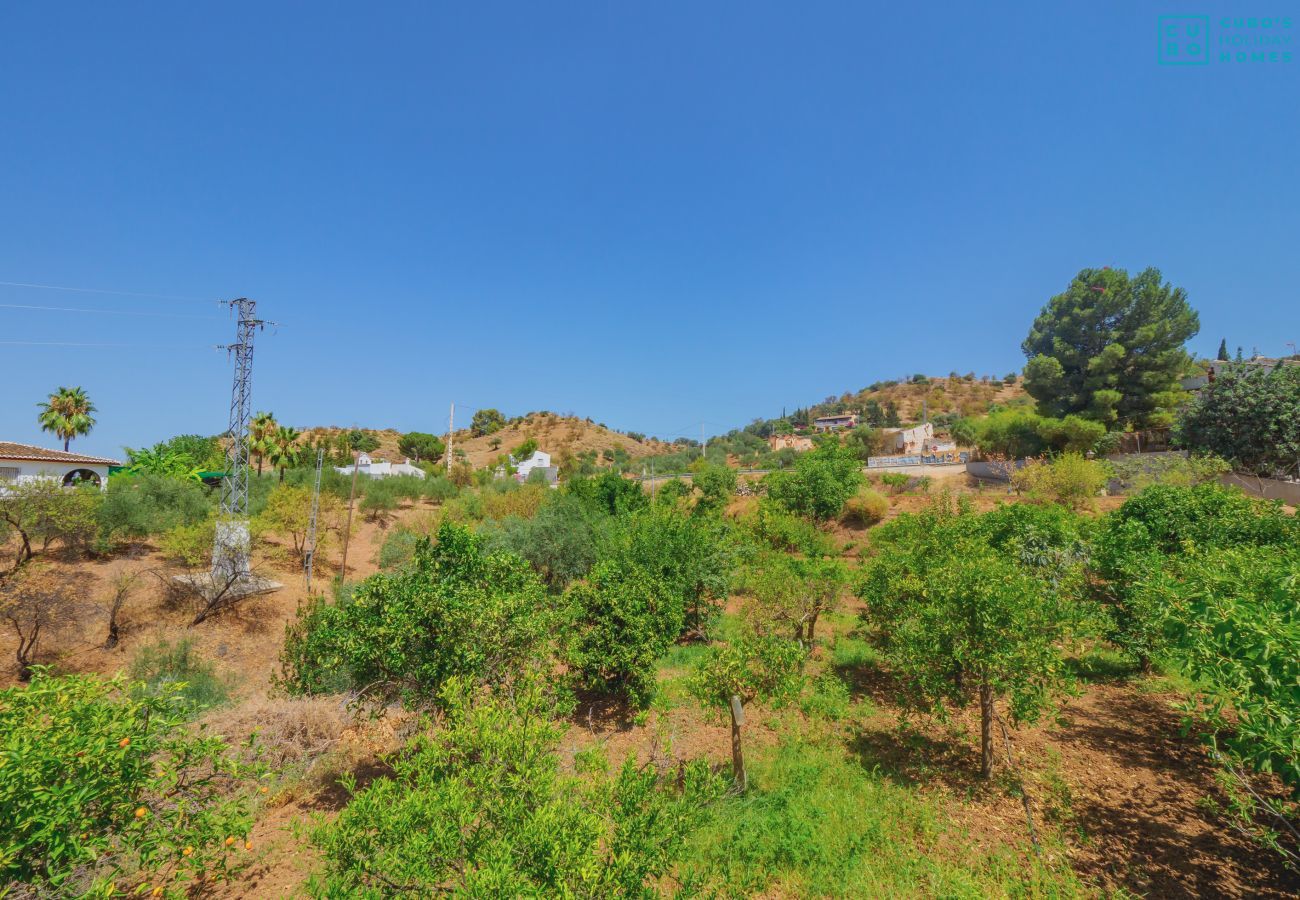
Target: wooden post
986 730
737 754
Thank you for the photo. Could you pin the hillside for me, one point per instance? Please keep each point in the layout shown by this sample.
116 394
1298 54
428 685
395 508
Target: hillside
556 434
940 395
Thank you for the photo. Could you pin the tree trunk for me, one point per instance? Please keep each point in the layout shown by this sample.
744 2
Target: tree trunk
1145 662
259 464
986 730
812 628
737 754
111 641
66 442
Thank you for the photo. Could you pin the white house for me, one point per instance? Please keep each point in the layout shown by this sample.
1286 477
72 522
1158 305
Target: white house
23 462
916 439
380 468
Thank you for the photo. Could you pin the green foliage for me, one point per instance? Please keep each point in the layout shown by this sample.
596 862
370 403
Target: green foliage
670 492
625 620
486 421
716 484
67 413
1140 472
957 615
362 441
1069 479
398 548
791 594
691 556
773 526
41 512
177 671
455 611
865 508
481 807
190 543
99 781
819 822
608 493
821 480
895 481
751 667
525 450
1252 420
561 542
1111 348
419 445
137 506
865 442
1164 522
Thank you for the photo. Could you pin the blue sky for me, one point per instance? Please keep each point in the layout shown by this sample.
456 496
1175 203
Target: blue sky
654 215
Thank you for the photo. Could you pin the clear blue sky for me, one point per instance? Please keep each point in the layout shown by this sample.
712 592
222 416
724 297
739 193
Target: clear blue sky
654 215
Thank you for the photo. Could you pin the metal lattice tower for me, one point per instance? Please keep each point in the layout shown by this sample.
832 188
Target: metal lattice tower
234 487
310 555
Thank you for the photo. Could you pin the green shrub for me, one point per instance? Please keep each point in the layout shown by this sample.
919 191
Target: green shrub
454 611
398 548
176 670
774 527
137 506
609 493
897 482
1069 479
191 544
820 482
625 620
482 807
561 542
439 489
100 782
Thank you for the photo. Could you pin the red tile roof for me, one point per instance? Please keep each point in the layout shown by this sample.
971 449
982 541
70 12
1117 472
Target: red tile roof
10 450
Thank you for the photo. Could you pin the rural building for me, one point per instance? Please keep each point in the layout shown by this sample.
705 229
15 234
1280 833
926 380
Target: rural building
915 439
380 468
835 423
789 442
23 462
524 467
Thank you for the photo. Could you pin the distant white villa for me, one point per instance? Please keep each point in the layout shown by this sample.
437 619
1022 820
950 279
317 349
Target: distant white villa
380 468
540 461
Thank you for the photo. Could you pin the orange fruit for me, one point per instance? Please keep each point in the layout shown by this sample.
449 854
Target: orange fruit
187 851
141 812
229 841
248 845
125 742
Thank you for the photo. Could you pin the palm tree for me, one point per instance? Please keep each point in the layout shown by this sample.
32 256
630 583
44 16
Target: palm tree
67 413
260 434
284 449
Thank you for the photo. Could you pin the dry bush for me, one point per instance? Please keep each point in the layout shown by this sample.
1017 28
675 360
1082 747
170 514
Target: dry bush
864 509
290 731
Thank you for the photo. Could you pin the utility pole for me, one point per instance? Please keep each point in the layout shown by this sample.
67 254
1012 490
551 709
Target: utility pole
315 510
230 552
347 531
704 445
451 430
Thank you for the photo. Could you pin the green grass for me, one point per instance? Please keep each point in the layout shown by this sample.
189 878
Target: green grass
816 824
158 667
853 653
1099 664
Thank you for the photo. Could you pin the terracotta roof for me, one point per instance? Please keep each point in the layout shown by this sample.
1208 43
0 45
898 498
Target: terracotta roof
10 450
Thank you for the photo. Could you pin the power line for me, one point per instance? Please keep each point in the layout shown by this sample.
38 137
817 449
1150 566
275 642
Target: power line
111 312
132 346
80 290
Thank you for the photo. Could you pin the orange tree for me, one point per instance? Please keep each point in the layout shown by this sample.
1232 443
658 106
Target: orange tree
960 618
100 786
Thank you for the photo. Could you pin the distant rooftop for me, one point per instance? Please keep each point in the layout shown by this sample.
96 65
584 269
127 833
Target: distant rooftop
10 450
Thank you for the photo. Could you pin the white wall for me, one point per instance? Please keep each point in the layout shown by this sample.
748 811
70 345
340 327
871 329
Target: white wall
31 470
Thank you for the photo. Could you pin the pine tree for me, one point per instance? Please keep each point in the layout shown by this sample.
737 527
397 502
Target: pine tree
1223 349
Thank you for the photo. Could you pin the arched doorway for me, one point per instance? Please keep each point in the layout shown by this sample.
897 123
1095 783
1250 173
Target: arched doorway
81 476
